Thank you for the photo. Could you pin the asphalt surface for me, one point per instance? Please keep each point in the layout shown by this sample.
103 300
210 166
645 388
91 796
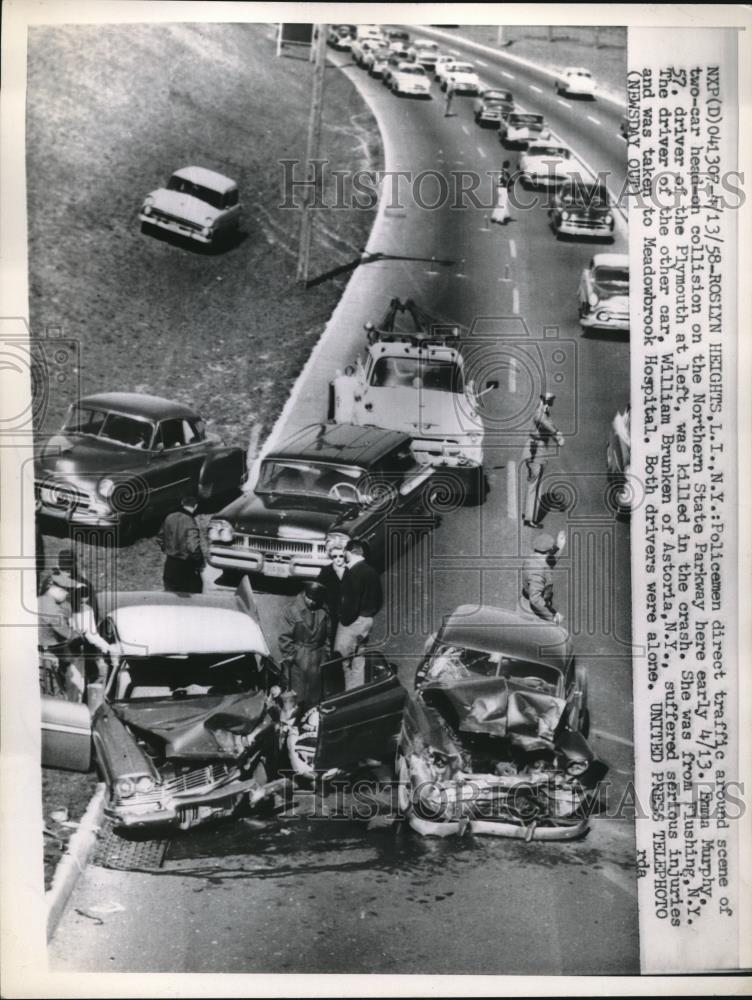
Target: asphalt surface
310 894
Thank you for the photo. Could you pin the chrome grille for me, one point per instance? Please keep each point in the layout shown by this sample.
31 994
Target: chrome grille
274 546
158 213
202 777
61 496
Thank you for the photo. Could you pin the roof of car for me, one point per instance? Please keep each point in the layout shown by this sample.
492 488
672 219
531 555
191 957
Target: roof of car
182 623
138 404
342 444
497 630
527 115
206 178
611 260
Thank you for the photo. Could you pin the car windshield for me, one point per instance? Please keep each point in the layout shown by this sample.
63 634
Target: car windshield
417 373
527 120
129 431
452 663
427 46
191 675
613 277
561 152
584 196
462 68
411 69
310 479
205 194
495 96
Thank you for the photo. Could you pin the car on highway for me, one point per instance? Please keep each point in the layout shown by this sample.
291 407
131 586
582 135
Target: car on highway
121 458
461 77
545 164
582 208
494 739
519 128
327 478
410 79
425 52
441 61
603 293
619 459
398 35
341 36
375 61
574 81
396 57
362 46
197 203
491 106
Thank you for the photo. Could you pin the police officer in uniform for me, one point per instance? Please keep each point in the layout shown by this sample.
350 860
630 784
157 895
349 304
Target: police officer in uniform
180 540
538 580
541 446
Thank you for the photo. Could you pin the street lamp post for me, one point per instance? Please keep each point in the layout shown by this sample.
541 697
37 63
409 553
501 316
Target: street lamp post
312 149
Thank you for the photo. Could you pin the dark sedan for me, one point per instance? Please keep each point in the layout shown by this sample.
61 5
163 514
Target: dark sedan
492 106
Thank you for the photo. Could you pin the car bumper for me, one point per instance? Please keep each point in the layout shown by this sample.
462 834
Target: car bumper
464 88
601 320
490 119
570 228
542 180
500 828
87 518
253 561
415 91
181 229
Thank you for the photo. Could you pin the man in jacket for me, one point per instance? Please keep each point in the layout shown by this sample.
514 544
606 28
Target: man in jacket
360 602
542 445
58 672
304 643
180 540
538 580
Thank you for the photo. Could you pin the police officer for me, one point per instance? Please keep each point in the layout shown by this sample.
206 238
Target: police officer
541 446
537 578
180 540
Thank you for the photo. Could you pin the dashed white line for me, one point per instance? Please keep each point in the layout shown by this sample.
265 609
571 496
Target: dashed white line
563 103
515 301
593 120
536 89
455 52
509 76
481 152
481 63
513 374
513 249
465 130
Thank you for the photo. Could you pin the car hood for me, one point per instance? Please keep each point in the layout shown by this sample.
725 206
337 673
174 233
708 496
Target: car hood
463 77
81 455
544 164
197 728
496 707
616 301
527 129
280 515
184 206
421 412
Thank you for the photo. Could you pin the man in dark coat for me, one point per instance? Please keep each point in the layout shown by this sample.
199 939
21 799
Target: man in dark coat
541 447
180 540
360 603
304 643
538 580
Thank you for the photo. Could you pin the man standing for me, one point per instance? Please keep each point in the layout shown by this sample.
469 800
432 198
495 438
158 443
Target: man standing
538 580
360 602
544 437
180 540
449 96
304 643
58 672
67 561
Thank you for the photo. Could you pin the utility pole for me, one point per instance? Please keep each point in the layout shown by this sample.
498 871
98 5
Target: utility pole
500 35
312 151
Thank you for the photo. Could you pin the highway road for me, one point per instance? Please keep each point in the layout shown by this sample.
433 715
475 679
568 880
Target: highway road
328 895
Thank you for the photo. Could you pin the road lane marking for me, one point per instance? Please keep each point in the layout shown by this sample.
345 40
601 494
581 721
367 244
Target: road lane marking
515 301
513 374
481 63
536 89
564 103
509 76
612 737
481 152
465 130
512 491
593 120
513 249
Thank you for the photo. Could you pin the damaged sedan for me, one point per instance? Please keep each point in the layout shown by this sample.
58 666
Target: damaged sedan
493 740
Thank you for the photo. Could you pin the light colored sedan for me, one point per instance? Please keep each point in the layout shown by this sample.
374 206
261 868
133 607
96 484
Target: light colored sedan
575 81
603 295
461 77
545 164
198 203
409 78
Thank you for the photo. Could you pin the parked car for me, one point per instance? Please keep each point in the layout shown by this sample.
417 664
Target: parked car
461 77
375 61
425 52
519 128
491 106
341 36
441 61
398 35
396 57
494 739
197 203
123 457
545 164
409 78
582 209
619 459
574 81
362 46
603 293
326 478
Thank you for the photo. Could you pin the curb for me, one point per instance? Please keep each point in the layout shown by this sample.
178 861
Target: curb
487 50
72 864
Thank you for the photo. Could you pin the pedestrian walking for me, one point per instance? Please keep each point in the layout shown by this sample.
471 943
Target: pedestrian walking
501 210
540 448
537 578
448 104
59 674
304 644
180 540
360 603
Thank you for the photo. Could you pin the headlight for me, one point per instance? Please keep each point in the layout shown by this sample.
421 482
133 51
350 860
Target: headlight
105 487
145 784
608 219
220 531
564 216
148 202
125 787
593 299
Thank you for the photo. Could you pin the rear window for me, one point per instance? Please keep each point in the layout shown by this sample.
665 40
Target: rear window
585 196
205 194
518 119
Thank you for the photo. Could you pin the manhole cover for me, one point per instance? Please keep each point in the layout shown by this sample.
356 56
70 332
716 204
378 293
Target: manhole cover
126 853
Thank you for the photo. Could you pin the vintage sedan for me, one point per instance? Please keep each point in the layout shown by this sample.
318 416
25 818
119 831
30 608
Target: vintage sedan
494 739
574 81
362 46
340 36
397 57
425 52
545 164
197 203
582 209
603 293
355 482
519 128
121 458
461 77
410 79
492 106
619 460
375 61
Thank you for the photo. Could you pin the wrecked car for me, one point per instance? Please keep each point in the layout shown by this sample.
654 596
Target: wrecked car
493 739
